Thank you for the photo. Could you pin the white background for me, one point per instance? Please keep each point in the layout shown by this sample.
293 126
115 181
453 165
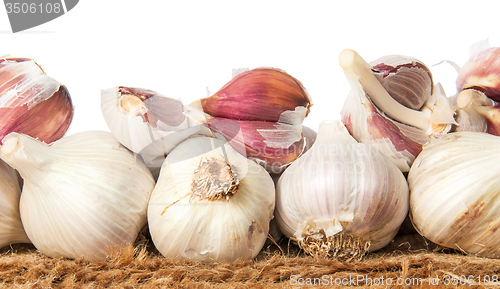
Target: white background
183 48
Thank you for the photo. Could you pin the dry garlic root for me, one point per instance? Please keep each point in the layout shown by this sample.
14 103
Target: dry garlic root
341 198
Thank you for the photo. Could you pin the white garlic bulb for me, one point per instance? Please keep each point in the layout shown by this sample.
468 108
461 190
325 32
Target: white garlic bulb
11 228
210 203
341 198
455 192
82 195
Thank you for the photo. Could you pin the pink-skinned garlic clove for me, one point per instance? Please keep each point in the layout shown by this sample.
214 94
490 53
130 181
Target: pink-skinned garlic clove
31 102
406 79
271 144
262 94
482 72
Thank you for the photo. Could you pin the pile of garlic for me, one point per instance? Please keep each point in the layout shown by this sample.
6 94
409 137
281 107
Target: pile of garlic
208 178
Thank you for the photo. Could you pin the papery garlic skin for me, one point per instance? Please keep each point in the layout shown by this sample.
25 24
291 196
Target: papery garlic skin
455 192
144 121
11 228
273 145
32 102
400 142
184 225
340 186
309 137
82 196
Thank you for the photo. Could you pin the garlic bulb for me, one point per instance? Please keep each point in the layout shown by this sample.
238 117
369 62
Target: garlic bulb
31 102
144 121
374 117
210 203
11 229
341 198
455 187
82 195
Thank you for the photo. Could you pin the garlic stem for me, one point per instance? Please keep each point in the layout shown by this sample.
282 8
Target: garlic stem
356 67
12 150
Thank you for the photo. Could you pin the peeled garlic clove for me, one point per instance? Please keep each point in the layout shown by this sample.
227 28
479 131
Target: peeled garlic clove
454 185
406 79
210 203
11 228
31 102
82 196
273 145
144 121
482 72
262 94
341 198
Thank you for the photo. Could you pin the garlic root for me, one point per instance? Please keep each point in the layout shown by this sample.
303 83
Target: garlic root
341 246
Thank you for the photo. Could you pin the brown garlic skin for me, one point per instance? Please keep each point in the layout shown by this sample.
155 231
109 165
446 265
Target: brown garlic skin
32 111
406 79
482 72
261 94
